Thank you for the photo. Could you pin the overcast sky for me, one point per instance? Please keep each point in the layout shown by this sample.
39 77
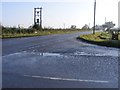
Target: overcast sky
57 13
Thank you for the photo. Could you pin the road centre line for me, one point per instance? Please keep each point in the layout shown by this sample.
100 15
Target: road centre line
66 79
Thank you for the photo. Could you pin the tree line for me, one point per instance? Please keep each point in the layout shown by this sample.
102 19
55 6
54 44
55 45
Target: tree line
14 30
32 29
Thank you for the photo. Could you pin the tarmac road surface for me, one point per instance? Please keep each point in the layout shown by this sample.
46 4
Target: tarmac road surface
58 61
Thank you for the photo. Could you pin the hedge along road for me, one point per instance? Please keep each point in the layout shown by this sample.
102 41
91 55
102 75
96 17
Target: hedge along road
58 61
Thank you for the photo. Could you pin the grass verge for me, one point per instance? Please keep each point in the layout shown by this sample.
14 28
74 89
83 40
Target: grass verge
101 38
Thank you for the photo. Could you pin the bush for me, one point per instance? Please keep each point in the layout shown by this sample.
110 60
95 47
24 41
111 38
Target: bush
37 27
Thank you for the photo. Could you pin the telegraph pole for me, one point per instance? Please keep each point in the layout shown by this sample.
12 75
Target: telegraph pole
105 19
64 26
119 14
94 16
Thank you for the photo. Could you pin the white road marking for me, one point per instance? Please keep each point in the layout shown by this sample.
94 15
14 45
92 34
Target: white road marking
66 79
11 54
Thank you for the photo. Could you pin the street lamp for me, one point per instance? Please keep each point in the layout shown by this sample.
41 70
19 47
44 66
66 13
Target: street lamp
94 16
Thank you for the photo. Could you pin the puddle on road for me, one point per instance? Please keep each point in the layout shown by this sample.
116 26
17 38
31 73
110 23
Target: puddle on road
51 54
35 53
45 54
96 54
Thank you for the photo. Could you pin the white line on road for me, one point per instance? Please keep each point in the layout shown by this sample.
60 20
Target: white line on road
11 54
66 79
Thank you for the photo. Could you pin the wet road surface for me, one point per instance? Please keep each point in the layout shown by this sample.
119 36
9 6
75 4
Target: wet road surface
58 61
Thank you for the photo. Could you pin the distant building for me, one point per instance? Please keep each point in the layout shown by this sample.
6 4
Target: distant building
85 27
108 25
99 27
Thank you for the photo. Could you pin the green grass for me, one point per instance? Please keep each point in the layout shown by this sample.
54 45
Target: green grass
101 38
92 37
40 33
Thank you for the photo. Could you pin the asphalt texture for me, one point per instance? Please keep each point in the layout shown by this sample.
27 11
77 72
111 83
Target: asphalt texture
58 61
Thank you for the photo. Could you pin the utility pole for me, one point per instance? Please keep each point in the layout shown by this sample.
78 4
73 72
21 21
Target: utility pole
105 19
119 14
89 25
94 16
64 26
